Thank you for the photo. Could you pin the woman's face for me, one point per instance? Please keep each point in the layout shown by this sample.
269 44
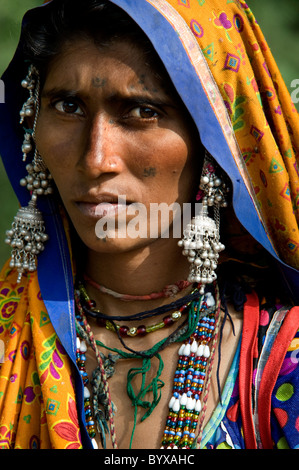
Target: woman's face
111 134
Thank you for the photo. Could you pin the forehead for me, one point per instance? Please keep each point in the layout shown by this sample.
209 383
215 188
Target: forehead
80 59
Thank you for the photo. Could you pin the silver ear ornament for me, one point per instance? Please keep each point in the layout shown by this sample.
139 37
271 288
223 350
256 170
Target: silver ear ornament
201 243
27 234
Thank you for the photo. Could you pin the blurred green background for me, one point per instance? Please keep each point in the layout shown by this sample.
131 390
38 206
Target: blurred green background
278 19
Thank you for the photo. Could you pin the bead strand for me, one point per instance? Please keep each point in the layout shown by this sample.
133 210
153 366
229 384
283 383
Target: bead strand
141 330
84 324
81 361
185 404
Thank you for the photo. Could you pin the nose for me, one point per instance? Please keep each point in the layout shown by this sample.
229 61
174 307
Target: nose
104 148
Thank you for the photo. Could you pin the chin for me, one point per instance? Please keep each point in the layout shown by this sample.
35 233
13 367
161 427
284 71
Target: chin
114 245
101 238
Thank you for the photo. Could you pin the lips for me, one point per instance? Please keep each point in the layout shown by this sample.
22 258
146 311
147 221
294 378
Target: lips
102 205
108 210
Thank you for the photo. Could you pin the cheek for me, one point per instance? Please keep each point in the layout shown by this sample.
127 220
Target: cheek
174 162
161 155
56 148
183 171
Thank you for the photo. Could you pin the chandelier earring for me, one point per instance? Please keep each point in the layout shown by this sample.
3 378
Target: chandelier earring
201 241
27 234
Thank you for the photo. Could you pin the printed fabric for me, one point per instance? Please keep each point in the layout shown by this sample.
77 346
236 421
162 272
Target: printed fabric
37 398
263 117
38 408
225 428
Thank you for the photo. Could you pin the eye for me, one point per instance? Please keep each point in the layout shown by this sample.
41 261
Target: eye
143 112
68 106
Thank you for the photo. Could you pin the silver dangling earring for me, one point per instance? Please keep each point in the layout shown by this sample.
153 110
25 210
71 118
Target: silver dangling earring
27 234
201 244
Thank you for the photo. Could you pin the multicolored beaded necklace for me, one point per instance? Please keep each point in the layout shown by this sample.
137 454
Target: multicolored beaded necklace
125 331
191 382
81 360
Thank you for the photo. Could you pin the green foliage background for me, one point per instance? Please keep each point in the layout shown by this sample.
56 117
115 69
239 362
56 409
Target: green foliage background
278 19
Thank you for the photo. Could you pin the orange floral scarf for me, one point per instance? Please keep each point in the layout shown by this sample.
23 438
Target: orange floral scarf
37 397
226 46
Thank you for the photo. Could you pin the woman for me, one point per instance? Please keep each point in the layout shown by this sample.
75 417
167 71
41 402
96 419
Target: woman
129 105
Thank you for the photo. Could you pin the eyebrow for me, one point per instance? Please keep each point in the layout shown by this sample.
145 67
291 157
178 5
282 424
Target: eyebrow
56 92
139 98
130 97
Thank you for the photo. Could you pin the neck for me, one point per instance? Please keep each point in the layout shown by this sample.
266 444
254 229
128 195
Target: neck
140 272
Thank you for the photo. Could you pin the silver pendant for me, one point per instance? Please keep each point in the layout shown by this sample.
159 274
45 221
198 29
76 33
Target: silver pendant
26 238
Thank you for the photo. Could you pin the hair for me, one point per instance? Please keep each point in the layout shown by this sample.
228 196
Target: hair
50 27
